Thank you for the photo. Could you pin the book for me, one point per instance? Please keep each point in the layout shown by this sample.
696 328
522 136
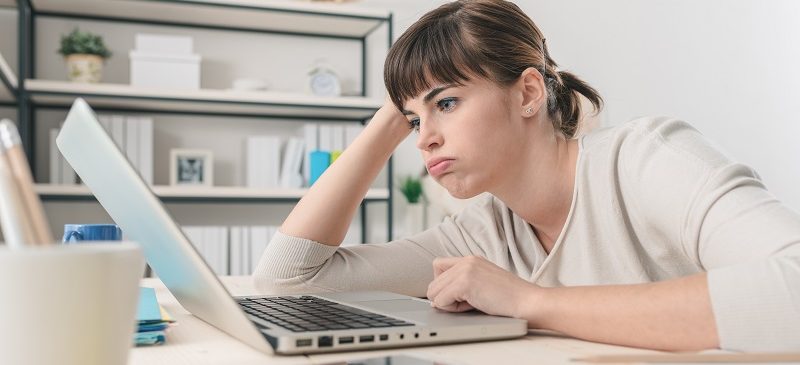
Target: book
146 149
55 158
132 142
311 139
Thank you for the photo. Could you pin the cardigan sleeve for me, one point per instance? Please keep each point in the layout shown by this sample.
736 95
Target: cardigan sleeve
294 264
730 225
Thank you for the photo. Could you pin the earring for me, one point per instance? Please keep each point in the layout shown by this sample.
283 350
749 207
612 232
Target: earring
529 110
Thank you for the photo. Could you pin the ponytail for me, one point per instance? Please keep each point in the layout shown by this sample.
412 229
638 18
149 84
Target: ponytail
563 103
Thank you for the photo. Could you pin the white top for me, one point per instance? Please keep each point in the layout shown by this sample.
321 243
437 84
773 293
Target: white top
653 200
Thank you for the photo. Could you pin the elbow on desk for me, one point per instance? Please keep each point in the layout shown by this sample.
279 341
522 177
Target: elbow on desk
283 277
269 278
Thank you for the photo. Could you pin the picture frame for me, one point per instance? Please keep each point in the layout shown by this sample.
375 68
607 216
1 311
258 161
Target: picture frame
191 167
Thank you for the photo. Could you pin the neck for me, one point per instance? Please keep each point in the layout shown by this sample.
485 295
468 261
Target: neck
541 189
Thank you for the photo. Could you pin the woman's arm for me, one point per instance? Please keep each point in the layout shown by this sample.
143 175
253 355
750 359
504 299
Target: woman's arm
326 211
669 315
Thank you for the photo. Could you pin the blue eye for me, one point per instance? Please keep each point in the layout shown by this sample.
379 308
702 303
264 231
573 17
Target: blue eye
414 124
446 104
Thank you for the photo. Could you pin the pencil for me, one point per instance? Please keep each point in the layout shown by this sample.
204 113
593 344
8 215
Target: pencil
694 358
13 218
12 143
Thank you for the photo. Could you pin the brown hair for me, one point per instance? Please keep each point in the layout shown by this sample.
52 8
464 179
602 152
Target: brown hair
492 39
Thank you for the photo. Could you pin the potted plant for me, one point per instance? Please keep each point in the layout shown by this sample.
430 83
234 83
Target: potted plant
411 188
84 53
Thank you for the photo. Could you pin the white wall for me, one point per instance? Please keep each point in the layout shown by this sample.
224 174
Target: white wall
727 67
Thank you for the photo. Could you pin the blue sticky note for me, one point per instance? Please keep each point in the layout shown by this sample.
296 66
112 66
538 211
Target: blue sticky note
148 309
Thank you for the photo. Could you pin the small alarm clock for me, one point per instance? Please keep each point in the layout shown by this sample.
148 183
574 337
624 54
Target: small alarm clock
323 81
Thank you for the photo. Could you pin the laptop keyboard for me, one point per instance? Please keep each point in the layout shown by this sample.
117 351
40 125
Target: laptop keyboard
305 313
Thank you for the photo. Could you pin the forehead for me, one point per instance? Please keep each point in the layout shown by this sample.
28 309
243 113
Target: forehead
428 94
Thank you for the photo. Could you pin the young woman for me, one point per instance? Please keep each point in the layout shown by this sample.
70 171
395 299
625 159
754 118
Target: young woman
639 235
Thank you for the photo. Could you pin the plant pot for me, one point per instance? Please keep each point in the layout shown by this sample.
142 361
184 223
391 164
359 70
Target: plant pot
87 68
415 218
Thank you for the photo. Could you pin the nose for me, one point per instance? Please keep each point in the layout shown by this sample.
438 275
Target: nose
429 137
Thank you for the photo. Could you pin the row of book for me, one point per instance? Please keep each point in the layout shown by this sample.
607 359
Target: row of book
276 162
231 250
272 161
132 134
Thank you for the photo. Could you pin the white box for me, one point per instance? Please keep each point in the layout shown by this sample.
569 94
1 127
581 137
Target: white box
165 71
163 44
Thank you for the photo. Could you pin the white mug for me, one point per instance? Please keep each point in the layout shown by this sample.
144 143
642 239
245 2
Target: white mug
69 304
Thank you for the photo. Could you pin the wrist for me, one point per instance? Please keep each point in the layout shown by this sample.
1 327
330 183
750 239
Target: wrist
389 120
533 305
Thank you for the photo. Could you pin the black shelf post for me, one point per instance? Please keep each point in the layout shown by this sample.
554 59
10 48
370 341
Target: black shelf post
26 67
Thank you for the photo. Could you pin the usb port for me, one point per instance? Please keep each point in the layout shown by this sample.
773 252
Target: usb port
325 341
384 337
369 338
433 334
303 342
345 340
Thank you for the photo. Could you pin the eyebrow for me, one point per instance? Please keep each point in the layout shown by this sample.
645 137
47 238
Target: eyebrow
432 94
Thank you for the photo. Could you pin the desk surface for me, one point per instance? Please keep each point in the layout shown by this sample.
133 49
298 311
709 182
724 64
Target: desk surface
192 341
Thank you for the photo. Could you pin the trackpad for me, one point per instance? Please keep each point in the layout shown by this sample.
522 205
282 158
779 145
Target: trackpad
399 305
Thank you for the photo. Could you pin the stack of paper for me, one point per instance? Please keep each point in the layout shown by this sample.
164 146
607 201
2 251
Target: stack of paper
152 320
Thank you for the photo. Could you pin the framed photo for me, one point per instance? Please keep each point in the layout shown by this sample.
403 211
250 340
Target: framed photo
188 167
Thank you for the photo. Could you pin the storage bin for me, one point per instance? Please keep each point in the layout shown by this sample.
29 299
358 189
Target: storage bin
165 71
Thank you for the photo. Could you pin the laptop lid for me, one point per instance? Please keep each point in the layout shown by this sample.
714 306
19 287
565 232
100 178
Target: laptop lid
132 205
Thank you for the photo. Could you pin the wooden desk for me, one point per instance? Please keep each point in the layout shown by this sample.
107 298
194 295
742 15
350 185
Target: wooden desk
194 342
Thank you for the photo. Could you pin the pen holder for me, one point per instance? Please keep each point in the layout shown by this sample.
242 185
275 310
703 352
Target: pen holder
69 304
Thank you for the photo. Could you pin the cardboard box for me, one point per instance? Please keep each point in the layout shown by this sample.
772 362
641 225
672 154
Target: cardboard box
163 44
165 71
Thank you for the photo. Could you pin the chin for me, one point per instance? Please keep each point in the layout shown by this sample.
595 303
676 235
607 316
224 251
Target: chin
458 188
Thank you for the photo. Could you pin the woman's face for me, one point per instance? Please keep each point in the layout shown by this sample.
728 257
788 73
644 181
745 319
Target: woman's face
469 135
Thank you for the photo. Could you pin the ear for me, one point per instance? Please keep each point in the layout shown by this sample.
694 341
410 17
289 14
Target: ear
533 91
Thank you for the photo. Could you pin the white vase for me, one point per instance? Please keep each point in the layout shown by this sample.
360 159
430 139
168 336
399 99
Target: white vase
415 218
86 68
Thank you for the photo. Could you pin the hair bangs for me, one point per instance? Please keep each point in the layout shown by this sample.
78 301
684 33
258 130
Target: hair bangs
436 53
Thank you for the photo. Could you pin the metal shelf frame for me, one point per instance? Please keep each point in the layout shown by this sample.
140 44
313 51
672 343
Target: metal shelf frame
26 98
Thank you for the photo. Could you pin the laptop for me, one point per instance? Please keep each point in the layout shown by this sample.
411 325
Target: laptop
290 324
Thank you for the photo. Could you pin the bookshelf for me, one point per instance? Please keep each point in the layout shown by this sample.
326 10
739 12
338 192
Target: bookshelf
285 17
301 19
205 102
197 194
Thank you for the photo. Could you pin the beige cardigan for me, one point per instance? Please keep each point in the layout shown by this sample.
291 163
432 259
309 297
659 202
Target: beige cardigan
653 200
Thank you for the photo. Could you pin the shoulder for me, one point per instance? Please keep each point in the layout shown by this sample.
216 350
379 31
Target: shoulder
656 139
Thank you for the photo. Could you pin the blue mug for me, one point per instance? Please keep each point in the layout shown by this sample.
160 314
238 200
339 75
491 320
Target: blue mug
91 232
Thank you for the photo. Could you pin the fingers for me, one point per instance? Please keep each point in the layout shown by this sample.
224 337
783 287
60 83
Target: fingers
457 307
442 264
449 289
440 282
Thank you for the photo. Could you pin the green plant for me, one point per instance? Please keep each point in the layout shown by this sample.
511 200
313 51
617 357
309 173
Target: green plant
77 42
411 187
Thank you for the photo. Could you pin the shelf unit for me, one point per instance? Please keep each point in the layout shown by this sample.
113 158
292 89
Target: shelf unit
197 194
287 18
203 102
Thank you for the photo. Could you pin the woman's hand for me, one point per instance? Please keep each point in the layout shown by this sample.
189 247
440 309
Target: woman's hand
391 119
463 283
